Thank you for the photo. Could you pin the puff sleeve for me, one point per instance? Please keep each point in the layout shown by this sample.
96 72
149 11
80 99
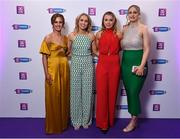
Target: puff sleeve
44 48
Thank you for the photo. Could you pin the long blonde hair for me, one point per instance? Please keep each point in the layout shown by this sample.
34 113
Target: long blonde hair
138 10
89 27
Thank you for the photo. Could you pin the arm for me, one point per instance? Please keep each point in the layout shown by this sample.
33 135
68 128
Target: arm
45 63
146 50
69 44
94 48
120 36
98 35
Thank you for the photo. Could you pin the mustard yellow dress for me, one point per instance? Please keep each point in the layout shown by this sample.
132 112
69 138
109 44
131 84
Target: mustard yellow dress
57 94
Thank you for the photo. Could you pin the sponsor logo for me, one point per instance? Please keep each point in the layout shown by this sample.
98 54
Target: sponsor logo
157 92
22 43
162 12
20 10
161 29
122 107
123 11
160 45
20 26
23 106
95 28
159 61
23 91
158 77
123 92
92 11
156 107
22 75
56 10
22 59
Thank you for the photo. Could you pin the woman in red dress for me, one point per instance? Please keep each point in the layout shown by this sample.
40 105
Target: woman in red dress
107 71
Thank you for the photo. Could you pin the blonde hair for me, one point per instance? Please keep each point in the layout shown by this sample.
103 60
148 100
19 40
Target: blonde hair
136 7
114 17
89 27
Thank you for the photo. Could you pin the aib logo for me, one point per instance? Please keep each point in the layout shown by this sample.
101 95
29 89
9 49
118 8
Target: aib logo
122 107
22 43
160 45
22 59
20 9
95 28
157 92
22 75
20 26
123 11
162 12
23 106
158 77
123 92
92 11
161 29
159 61
56 10
156 107
23 91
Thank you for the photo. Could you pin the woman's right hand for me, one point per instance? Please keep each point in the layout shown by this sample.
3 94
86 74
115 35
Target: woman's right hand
49 79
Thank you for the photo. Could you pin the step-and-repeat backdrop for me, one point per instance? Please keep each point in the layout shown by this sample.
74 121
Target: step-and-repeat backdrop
24 23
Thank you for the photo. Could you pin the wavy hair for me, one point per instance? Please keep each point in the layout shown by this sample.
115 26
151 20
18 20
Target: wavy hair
89 27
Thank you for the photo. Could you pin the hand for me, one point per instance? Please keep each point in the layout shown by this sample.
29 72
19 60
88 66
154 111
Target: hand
68 53
139 71
49 79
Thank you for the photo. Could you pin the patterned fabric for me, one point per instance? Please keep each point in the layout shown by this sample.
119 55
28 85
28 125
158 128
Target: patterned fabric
81 81
81 45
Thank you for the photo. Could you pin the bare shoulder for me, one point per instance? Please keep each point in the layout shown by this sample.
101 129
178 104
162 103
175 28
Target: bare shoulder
91 35
144 27
125 27
119 34
71 35
98 34
48 38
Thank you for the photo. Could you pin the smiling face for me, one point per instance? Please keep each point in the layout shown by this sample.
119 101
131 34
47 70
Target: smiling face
108 21
58 24
83 22
133 14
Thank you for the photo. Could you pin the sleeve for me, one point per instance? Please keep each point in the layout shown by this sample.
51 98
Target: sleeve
44 48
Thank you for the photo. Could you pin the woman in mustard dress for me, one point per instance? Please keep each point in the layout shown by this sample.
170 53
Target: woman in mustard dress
57 82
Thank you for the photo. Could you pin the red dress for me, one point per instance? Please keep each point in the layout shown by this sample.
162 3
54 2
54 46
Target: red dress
107 78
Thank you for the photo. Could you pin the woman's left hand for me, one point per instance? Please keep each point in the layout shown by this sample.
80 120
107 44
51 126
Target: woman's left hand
139 71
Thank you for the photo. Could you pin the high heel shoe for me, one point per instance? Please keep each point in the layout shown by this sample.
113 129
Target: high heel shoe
103 130
130 127
76 128
85 126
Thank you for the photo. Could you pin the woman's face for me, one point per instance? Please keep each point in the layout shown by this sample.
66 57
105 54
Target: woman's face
133 14
58 24
108 21
83 22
